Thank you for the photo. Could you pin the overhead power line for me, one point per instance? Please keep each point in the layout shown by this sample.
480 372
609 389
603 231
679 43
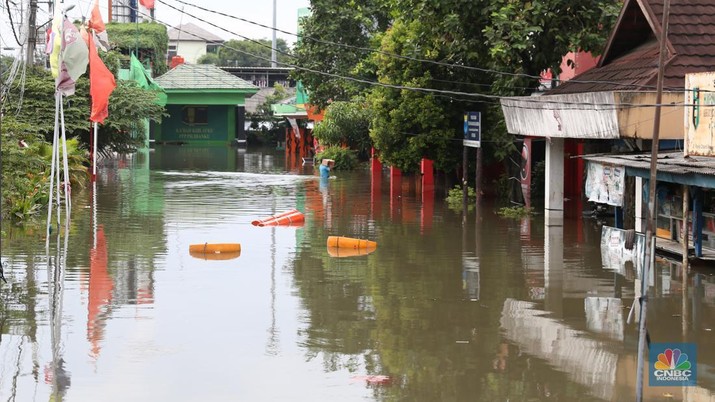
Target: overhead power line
536 100
399 56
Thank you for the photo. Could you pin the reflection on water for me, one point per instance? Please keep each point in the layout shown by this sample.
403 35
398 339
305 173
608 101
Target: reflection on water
492 310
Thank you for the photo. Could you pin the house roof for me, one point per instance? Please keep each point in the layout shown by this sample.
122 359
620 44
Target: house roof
630 59
190 32
202 76
668 162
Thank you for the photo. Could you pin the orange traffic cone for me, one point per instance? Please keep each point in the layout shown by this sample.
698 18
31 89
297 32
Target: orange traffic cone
287 220
258 222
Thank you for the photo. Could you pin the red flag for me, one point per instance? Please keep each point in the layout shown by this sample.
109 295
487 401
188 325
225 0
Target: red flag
95 19
101 85
147 3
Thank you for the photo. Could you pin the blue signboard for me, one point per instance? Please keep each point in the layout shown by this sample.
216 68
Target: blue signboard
472 129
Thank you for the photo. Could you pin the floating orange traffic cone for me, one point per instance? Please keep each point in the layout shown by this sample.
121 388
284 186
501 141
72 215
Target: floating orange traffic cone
258 222
286 220
349 242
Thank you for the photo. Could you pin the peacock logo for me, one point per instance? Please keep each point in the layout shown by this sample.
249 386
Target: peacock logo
672 359
673 364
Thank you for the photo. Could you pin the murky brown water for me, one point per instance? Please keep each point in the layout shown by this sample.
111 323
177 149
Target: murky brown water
496 310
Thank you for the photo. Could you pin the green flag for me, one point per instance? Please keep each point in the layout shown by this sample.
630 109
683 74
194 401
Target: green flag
138 73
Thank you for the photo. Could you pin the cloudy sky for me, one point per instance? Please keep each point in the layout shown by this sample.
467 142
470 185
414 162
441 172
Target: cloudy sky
259 11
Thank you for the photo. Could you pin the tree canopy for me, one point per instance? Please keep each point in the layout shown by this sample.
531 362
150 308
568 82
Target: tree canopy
242 53
464 53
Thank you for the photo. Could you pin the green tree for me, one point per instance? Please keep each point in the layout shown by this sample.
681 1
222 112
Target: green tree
242 53
489 35
129 106
354 23
346 123
209 58
146 40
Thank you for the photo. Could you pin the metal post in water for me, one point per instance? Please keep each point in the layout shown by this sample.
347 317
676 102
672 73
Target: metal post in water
651 224
464 184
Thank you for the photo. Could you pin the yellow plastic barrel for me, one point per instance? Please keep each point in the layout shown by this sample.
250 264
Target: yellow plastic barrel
216 256
349 252
349 242
207 248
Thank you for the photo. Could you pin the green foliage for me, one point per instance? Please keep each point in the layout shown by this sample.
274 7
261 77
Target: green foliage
280 93
535 35
516 212
238 53
149 39
129 106
346 123
264 114
209 58
355 23
455 198
26 170
492 35
345 159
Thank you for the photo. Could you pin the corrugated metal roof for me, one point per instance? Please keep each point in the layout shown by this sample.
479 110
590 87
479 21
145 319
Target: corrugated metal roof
631 58
669 162
202 76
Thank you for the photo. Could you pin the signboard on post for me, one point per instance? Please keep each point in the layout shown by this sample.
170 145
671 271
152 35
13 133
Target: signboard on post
472 129
700 114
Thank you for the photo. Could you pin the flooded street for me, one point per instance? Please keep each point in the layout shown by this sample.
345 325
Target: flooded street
494 310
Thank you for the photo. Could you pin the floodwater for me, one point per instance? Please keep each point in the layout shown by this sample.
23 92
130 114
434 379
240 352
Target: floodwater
494 309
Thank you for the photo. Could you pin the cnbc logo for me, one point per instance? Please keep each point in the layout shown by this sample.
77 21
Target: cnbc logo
672 364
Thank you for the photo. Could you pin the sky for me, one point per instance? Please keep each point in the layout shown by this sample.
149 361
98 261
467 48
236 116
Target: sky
259 11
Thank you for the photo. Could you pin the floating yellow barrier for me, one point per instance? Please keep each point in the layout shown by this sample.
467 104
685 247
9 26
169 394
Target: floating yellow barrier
349 252
349 242
208 248
216 256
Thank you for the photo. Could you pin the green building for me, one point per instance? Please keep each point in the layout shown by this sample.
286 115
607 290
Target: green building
204 104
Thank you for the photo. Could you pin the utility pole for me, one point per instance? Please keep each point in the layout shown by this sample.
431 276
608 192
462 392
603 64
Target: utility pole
31 33
651 225
273 47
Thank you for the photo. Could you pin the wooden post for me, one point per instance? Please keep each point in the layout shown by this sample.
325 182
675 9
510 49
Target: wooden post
684 231
651 224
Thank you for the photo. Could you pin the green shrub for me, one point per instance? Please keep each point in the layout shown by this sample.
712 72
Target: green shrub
516 212
455 198
345 159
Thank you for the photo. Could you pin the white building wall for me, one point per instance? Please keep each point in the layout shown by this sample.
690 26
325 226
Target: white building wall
190 51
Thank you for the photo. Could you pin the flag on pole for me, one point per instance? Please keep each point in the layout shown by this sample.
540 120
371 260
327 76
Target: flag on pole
54 45
101 84
138 73
147 3
67 46
96 24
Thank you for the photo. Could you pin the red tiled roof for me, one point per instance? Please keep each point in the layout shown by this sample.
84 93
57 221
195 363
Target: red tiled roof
630 61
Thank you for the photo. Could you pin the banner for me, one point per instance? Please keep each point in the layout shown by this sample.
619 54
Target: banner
605 184
525 171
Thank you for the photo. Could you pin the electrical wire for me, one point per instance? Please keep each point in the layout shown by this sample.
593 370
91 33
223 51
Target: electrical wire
402 87
399 56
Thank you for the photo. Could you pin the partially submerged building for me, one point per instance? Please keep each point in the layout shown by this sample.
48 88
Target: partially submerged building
205 105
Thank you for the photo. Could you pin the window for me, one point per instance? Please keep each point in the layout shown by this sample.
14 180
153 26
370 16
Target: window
195 115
